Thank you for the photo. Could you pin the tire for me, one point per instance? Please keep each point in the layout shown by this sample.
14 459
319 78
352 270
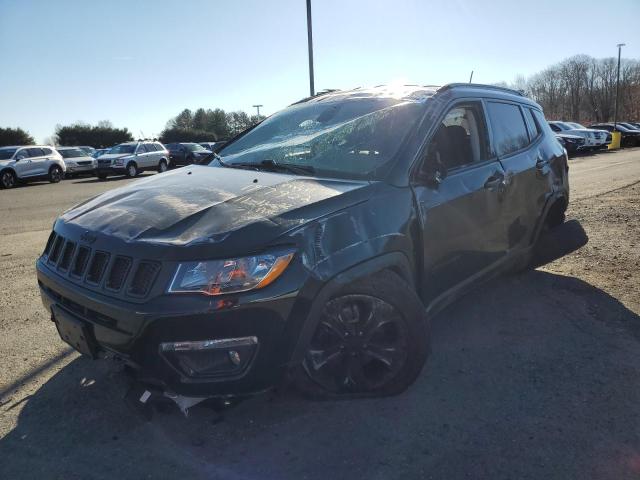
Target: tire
132 170
8 179
162 166
372 339
55 174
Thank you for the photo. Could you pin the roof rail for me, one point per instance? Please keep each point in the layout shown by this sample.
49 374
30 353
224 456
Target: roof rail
449 86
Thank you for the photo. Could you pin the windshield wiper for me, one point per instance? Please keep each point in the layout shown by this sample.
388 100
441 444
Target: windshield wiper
287 167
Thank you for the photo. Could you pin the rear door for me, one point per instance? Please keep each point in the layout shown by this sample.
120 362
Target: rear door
526 162
460 201
142 157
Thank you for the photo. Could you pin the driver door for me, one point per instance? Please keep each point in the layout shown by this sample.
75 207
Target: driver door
459 193
23 165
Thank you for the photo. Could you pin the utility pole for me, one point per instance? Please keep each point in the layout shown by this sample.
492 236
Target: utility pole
257 107
615 110
312 90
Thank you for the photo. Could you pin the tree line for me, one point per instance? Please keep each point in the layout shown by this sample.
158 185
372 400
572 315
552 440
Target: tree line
207 125
583 89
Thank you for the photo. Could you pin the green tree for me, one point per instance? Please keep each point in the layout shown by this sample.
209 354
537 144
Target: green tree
14 136
183 120
99 136
217 123
199 119
177 134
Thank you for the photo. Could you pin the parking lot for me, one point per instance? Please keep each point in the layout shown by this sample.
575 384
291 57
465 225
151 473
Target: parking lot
535 375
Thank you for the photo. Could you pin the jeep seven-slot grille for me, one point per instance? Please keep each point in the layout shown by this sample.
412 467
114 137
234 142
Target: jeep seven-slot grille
55 249
67 255
97 266
143 278
101 269
80 262
118 273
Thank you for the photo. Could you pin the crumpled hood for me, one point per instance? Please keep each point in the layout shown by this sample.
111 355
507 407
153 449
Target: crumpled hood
201 204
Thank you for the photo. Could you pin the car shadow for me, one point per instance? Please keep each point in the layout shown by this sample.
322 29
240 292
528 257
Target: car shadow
533 375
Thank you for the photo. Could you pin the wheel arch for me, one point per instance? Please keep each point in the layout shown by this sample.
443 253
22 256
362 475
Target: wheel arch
9 169
394 262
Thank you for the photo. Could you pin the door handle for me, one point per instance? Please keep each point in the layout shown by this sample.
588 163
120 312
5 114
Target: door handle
541 162
494 182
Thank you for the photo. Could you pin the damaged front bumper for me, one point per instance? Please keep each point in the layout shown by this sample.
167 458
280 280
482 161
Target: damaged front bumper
189 345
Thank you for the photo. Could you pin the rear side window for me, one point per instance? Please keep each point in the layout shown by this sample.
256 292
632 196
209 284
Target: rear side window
35 152
509 129
541 121
47 151
150 147
534 128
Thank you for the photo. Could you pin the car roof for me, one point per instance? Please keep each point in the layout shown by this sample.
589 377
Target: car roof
26 146
420 93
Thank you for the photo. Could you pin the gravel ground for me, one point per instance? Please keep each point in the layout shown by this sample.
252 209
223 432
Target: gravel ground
535 375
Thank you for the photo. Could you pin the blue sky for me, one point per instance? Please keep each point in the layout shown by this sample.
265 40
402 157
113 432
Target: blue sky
138 63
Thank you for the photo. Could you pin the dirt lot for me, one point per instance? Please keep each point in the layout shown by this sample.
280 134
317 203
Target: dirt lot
532 376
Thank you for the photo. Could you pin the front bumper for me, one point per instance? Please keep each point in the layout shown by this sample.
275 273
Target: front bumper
80 169
144 335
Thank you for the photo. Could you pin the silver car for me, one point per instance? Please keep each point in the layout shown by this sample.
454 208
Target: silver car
131 158
76 160
28 163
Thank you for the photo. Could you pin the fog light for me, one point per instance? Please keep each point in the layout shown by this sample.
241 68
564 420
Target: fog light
234 357
208 358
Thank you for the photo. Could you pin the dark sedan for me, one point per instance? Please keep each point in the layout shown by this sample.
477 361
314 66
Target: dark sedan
630 137
186 153
572 143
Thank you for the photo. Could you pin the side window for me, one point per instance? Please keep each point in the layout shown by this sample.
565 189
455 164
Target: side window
152 147
534 128
540 121
141 148
509 129
47 151
24 153
35 152
461 138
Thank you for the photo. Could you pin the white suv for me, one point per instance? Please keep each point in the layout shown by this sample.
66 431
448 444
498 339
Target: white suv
26 163
593 139
131 158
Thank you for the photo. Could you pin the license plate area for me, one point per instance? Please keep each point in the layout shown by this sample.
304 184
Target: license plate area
74 331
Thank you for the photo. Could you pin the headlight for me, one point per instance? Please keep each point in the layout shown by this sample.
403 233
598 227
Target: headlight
119 161
217 277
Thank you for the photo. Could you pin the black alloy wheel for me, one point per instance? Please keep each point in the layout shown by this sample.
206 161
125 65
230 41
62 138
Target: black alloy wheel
55 174
359 346
371 340
8 179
